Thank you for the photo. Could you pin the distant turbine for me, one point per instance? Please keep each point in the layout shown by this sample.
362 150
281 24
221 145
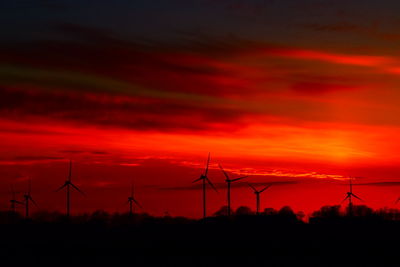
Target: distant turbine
28 198
13 201
67 184
204 178
349 196
257 193
132 201
229 181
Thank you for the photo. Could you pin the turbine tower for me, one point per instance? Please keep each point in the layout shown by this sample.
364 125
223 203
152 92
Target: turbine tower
229 181
13 201
132 201
67 185
257 193
349 196
205 180
28 198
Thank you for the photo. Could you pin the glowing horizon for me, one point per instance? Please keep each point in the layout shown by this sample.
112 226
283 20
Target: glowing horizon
310 98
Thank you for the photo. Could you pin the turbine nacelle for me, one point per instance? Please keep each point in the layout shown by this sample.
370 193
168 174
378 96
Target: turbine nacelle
228 181
29 198
66 185
131 199
204 178
227 178
350 193
69 183
257 192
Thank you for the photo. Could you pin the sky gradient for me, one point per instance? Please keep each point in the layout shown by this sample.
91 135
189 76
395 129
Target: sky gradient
301 94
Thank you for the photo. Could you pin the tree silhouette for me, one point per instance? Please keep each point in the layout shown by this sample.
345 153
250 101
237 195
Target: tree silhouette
223 211
243 210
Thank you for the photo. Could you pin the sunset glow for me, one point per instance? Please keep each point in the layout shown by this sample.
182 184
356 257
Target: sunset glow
304 114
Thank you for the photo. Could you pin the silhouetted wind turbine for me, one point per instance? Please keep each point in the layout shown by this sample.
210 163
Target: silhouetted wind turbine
257 193
229 181
204 178
349 196
67 184
132 201
28 198
13 201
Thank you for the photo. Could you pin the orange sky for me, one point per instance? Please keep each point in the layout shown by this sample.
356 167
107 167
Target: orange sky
303 103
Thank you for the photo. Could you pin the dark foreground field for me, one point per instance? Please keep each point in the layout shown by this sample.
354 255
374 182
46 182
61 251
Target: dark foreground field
245 241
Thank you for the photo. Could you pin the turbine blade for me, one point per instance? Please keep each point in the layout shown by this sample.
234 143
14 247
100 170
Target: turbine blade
77 189
255 190
240 178
397 201
137 203
29 186
344 199
265 188
357 197
33 201
201 177
211 184
208 163
61 187
222 169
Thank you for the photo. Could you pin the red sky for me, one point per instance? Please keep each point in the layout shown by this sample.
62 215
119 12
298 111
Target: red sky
304 114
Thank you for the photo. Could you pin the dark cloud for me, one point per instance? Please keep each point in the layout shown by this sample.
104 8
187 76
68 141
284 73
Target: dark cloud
27 131
82 152
36 158
369 29
103 80
159 80
139 114
24 5
318 87
389 183
99 152
233 185
334 27
72 151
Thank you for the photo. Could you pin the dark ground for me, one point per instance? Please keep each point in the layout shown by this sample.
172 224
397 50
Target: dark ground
245 241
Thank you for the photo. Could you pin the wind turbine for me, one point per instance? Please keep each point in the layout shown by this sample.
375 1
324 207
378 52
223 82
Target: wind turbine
132 201
257 193
229 181
13 201
205 180
349 197
67 185
28 198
